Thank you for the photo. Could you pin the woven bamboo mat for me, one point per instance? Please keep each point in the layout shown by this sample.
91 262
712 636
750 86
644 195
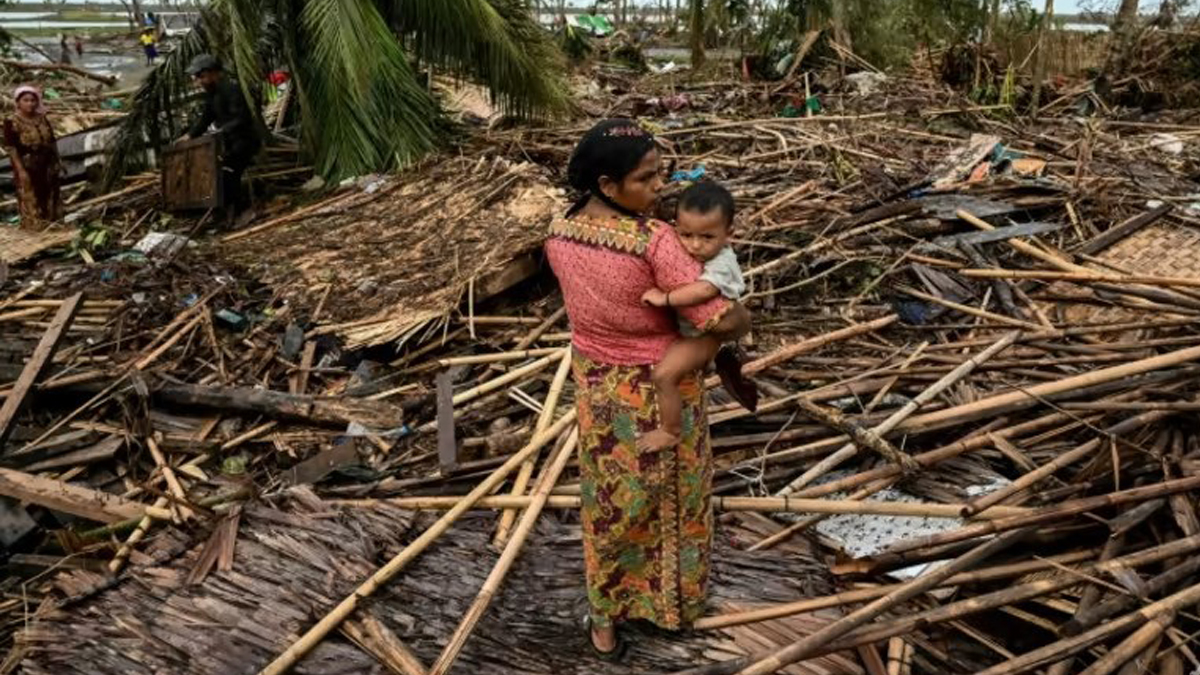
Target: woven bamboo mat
17 244
1162 249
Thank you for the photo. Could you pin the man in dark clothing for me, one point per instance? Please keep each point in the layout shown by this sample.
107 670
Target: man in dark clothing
225 107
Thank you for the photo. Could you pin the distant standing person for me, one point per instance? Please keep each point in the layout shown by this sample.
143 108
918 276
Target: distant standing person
148 46
37 169
64 53
225 106
79 46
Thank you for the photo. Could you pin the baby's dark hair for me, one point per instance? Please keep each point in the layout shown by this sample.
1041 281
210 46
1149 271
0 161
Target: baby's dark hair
704 197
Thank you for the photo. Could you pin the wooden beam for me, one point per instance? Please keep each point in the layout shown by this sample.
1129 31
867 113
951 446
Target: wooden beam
447 447
37 364
73 499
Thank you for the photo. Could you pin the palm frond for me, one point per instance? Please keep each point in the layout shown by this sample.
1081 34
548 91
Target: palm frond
497 42
362 107
246 19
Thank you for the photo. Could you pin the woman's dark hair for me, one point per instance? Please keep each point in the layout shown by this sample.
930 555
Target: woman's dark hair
706 196
612 148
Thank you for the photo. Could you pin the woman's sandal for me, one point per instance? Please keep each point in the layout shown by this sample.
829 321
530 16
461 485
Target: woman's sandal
617 653
728 364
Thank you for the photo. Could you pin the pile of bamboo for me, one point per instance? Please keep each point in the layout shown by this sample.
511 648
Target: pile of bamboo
976 346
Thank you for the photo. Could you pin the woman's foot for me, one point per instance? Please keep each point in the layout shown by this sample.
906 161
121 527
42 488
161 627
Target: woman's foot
657 440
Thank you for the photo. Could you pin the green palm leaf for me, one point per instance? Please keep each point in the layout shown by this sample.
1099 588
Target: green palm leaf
363 107
497 42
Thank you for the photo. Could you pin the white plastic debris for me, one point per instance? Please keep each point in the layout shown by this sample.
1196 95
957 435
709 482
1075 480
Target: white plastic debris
162 244
866 83
1168 143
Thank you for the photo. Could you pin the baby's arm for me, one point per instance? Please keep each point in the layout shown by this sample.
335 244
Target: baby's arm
688 295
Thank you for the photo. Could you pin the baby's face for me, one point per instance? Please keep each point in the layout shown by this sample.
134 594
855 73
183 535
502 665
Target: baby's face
703 234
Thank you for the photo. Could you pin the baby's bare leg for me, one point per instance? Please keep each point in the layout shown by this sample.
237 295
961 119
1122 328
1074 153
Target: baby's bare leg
683 358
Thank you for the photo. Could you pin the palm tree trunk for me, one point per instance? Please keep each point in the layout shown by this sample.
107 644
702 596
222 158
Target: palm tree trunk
697 33
1039 67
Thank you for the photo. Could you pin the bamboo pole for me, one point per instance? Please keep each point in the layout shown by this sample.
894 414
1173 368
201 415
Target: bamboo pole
731 504
865 594
804 346
1056 651
1081 277
314 635
1087 599
807 645
895 419
1050 514
168 473
1065 459
1089 617
510 377
1026 248
967 309
521 482
500 357
1015 594
1020 398
492 584
1148 634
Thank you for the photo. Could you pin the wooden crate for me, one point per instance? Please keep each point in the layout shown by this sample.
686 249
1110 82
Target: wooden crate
191 175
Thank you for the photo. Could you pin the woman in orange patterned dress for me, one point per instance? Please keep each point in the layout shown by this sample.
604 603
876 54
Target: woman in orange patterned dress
647 520
33 149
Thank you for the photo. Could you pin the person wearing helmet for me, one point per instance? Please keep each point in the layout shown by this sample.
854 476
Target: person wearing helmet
224 107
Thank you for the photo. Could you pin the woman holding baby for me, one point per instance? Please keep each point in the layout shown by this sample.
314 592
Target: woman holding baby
629 282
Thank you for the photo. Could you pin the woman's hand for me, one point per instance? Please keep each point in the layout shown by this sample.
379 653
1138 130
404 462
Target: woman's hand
655 298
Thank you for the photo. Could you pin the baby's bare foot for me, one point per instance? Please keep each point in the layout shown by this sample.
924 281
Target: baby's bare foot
659 439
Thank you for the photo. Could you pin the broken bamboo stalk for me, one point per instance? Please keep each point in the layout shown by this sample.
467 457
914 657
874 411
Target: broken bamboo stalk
1056 651
314 635
508 378
1065 459
168 473
1024 397
1089 617
1015 594
492 584
41 357
1050 514
74 499
1143 637
379 641
865 594
807 645
897 418
789 352
521 482
1080 277
499 357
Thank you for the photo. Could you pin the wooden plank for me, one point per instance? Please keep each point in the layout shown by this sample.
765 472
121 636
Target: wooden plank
510 275
105 449
447 447
37 364
191 176
73 499
1118 232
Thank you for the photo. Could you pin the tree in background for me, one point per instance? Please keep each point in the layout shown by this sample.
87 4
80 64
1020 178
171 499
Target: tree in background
696 28
363 105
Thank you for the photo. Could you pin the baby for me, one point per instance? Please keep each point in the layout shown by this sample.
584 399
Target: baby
704 223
